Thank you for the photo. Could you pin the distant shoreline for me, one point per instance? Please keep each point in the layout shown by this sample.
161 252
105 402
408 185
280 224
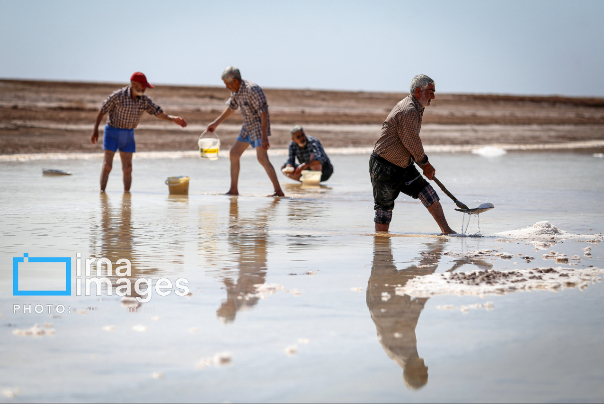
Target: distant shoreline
39 117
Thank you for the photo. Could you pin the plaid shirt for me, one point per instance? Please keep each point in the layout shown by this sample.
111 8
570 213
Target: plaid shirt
252 101
400 143
124 112
311 150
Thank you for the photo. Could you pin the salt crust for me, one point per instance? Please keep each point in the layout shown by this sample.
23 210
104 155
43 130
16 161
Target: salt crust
36 330
481 283
264 290
546 231
11 393
219 359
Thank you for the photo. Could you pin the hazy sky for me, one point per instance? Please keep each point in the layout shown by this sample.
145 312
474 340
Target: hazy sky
510 47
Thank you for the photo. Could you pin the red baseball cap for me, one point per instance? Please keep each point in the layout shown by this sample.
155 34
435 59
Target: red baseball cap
141 78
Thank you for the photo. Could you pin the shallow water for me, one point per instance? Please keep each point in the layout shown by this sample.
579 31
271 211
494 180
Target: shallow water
325 278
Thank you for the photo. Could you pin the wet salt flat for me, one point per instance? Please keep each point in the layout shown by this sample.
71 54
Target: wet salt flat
295 299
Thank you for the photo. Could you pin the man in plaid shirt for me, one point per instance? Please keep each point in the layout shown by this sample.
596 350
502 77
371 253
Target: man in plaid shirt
125 107
391 163
310 154
256 128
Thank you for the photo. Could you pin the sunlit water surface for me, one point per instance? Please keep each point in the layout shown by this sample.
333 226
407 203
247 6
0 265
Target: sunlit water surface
346 342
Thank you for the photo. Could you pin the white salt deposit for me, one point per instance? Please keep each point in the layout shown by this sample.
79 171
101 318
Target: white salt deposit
489 151
356 289
109 328
546 231
35 331
140 328
481 283
294 292
11 393
219 359
265 290
385 296
157 375
303 341
291 350
155 318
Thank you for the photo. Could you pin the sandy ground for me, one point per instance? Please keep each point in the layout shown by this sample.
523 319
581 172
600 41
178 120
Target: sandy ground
50 117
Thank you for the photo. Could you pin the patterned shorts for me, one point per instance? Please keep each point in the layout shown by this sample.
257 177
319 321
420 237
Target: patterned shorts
389 180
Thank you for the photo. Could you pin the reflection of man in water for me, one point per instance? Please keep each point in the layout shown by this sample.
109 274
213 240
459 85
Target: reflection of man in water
310 154
395 316
248 241
114 239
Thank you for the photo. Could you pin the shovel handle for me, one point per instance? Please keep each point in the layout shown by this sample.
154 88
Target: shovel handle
449 194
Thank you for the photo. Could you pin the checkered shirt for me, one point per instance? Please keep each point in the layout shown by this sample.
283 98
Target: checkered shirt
312 146
124 112
252 101
400 143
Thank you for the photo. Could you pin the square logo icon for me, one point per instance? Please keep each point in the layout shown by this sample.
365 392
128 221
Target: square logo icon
41 276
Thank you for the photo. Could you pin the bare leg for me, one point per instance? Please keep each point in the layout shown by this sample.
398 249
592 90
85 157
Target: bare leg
382 227
107 165
127 169
270 170
436 210
235 155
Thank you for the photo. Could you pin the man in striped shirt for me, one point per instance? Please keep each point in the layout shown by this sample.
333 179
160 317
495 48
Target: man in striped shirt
310 154
256 128
125 107
391 163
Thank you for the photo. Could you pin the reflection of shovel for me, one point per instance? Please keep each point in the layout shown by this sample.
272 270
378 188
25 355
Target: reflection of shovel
462 207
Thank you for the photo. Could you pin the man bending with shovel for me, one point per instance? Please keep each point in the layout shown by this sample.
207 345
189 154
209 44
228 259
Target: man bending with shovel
391 163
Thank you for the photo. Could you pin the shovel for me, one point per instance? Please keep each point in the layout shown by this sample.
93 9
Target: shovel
462 207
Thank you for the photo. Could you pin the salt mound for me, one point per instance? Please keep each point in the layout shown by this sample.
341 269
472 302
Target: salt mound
481 283
545 231
490 151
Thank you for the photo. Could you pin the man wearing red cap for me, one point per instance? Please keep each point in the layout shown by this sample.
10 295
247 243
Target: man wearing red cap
125 107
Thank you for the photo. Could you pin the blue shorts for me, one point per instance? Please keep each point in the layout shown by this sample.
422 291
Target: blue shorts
116 138
245 138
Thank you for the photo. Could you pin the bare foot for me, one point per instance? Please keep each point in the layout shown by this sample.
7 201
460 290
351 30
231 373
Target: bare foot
277 193
232 193
448 233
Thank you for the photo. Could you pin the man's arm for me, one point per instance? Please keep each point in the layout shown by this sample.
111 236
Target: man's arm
409 136
95 132
264 139
176 119
291 158
223 117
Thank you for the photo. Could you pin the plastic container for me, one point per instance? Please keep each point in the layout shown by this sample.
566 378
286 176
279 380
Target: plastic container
311 177
178 185
208 147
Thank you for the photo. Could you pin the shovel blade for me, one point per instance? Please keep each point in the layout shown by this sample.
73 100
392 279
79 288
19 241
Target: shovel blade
482 208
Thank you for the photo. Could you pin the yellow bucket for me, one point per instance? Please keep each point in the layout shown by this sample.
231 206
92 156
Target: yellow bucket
208 147
178 185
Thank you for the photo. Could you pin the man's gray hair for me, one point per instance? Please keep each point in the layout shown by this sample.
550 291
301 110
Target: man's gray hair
420 81
231 73
296 129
